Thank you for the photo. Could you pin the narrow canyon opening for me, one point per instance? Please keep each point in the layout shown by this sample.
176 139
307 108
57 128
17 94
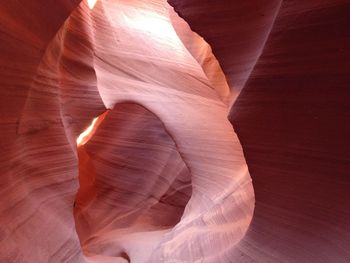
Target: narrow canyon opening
278 71
132 180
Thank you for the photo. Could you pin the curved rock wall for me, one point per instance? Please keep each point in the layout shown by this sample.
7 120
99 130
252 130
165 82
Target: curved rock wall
236 31
292 118
117 52
162 176
135 185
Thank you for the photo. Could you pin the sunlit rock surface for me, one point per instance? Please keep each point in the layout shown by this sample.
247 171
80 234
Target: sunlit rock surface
162 175
159 175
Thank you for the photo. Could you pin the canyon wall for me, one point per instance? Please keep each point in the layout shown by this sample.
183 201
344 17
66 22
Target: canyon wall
162 175
292 118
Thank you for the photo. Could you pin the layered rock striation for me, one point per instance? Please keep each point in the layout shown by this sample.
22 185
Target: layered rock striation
159 174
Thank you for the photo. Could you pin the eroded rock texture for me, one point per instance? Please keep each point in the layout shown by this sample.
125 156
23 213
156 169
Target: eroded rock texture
134 184
161 176
292 118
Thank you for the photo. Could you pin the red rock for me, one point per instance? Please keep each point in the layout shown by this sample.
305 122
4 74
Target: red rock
161 176
292 119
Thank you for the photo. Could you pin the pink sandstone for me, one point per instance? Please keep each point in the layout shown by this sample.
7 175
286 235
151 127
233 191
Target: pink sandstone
216 131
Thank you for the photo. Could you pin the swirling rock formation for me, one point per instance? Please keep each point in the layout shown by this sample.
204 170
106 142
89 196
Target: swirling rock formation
292 118
160 175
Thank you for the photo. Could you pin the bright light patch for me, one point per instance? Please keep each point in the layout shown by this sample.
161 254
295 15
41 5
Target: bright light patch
145 29
84 136
91 3
156 25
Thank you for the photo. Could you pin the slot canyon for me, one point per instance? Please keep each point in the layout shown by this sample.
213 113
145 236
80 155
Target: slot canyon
174 131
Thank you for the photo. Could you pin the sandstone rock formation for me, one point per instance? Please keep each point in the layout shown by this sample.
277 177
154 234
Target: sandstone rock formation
160 175
292 118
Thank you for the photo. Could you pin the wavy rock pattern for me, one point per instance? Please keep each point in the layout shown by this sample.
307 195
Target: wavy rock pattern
140 185
237 32
161 180
161 177
292 118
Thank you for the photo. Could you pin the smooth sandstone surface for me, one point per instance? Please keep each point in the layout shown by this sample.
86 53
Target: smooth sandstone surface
292 118
161 179
160 175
